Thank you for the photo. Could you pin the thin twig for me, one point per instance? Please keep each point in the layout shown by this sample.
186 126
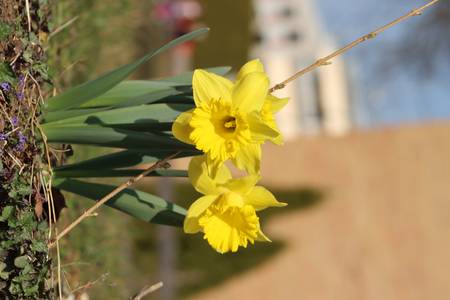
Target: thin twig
62 27
27 7
326 60
51 208
131 181
147 290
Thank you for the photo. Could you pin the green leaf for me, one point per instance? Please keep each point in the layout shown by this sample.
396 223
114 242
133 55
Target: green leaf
78 95
159 97
3 275
21 261
39 246
6 74
5 30
6 213
110 137
132 89
70 113
126 158
104 173
141 114
138 204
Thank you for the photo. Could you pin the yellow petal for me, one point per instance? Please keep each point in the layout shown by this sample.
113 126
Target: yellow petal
249 158
181 128
250 67
208 86
242 185
260 130
278 140
260 198
250 92
201 179
227 230
195 211
262 237
276 104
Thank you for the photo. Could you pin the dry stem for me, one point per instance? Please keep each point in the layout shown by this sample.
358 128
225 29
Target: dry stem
147 290
326 60
92 209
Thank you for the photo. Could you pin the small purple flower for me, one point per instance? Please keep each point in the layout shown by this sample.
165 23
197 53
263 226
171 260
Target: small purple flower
20 87
22 140
15 121
3 137
20 96
5 86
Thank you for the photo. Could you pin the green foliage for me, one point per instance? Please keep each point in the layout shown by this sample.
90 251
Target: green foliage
25 269
122 159
133 115
5 30
80 94
138 204
23 253
6 74
105 173
112 137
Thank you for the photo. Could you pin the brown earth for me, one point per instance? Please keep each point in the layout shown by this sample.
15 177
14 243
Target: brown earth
382 231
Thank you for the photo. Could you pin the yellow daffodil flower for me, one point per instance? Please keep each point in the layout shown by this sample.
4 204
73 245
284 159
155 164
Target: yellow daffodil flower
271 104
226 214
231 121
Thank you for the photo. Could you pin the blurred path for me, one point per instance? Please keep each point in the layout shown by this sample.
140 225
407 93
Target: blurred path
382 231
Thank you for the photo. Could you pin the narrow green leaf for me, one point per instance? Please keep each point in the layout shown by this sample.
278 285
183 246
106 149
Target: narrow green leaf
127 91
110 137
126 159
141 114
104 173
135 203
70 113
156 98
78 95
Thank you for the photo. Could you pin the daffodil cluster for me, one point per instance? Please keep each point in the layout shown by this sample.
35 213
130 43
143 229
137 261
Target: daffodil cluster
229 123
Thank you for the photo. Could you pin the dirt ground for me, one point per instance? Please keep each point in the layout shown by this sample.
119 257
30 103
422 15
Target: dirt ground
382 231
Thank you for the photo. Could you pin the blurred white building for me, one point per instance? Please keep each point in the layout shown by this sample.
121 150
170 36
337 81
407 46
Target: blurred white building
289 37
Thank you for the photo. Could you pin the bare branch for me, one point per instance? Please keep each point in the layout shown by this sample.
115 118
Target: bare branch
326 60
147 290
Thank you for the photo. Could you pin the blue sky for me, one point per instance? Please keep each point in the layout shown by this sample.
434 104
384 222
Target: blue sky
380 98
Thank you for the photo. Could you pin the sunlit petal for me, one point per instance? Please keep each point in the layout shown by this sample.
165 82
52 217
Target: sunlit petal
195 211
254 65
181 128
261 130
250 92
260 198
242 185
249 158
276 104
208 86
201 178
262 237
